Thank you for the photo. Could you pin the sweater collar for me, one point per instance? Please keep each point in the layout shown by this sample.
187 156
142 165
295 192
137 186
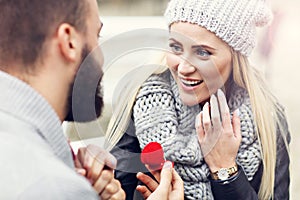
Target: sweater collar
20 100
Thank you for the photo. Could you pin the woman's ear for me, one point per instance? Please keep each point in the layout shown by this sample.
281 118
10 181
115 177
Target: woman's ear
69 42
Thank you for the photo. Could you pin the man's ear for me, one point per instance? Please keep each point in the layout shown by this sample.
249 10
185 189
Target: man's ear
69 41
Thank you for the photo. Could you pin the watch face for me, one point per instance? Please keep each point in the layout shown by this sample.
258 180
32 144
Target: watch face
223 174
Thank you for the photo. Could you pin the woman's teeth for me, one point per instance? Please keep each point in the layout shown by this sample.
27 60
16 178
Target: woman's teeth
191 83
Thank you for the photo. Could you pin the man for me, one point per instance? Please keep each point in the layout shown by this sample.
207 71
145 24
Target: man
43 74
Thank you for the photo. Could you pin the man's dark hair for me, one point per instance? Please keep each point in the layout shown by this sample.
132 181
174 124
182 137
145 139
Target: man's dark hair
26 24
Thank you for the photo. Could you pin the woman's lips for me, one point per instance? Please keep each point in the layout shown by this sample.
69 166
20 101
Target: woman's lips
190 84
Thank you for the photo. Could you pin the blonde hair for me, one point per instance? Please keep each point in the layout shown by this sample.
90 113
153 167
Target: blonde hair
266 110
267 114
121 115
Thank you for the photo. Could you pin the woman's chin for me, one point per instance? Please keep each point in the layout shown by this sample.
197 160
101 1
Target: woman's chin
189 101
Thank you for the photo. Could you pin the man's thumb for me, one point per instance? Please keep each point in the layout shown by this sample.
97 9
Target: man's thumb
166 174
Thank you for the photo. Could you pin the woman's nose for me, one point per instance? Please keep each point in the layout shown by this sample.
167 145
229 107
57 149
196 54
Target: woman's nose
185 67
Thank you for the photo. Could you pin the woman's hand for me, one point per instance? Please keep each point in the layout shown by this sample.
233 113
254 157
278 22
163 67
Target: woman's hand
168 184
219 137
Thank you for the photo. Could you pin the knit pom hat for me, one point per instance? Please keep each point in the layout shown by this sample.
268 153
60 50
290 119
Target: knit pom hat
234 21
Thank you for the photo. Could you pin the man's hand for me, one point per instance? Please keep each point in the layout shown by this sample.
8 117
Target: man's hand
168 185
97 165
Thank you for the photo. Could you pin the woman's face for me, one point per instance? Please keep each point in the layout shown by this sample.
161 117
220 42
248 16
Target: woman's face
199 61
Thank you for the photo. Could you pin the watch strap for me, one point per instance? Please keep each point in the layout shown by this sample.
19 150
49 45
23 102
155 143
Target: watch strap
229 171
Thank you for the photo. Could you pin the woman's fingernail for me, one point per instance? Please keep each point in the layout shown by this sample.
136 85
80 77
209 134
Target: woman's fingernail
213 96
220 93
237 112
205 105
113 162
197 120
167 165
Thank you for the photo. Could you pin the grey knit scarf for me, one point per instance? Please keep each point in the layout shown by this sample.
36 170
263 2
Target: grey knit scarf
160 116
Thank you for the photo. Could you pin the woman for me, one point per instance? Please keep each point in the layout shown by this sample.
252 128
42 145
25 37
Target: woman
237 149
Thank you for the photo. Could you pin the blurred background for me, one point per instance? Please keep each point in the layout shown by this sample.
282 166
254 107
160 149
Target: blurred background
277 54
132 7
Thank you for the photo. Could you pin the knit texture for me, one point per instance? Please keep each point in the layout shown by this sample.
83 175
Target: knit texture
234 21
160 116
34 154
20 100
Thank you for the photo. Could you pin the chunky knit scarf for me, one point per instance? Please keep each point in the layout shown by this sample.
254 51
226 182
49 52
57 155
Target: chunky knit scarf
160 116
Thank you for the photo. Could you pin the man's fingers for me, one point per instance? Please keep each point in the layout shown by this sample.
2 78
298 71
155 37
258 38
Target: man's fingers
112 188
118 196
155 173
177 184
94 152
80 171
105 177
145 192
166 175
110 161
79 162
95 159
95 170
147 180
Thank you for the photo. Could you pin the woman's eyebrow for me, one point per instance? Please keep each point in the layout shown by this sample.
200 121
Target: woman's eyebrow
203 46
174 40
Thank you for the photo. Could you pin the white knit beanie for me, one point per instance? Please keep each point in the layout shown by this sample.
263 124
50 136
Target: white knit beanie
234 21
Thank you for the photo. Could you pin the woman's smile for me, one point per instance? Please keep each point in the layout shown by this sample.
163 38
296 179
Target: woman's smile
190 84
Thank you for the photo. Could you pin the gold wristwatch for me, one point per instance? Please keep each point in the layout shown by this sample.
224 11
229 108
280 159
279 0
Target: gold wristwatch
224 173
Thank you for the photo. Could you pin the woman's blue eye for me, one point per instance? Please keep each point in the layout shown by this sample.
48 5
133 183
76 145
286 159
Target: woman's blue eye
175 48
203 53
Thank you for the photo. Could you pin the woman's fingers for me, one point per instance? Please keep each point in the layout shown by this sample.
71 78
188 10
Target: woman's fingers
206 118
199 127
218 115
215 113
236 124
224 110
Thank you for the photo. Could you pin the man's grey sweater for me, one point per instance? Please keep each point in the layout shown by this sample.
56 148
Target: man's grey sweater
35 157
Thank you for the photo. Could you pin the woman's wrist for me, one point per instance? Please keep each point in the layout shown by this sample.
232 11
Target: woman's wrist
224 173
216 167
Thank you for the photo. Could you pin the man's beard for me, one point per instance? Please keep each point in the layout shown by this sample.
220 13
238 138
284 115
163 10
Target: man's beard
85 100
